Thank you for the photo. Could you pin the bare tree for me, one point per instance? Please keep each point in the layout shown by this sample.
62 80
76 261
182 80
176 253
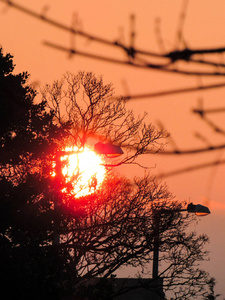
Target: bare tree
117 225
86 103
118 228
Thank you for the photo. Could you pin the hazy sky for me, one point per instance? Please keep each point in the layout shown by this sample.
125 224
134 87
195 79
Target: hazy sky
156 26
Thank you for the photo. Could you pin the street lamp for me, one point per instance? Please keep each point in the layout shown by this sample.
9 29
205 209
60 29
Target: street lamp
109 150
198 209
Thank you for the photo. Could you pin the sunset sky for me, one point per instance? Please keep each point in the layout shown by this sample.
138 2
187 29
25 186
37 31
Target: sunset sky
156 25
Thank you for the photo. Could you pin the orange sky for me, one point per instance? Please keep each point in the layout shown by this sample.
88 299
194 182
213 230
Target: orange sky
24 37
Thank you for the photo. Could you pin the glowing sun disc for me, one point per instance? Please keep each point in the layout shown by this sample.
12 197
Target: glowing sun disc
84 170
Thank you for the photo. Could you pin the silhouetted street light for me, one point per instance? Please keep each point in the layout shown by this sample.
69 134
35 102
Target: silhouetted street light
109 150
198 209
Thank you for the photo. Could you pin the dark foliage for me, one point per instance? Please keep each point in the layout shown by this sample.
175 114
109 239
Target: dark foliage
28 136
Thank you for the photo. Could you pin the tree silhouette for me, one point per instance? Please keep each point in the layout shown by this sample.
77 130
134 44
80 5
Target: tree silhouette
85 102
29 138
117 227
97 233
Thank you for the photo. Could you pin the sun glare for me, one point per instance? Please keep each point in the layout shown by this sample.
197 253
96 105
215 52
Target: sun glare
84 170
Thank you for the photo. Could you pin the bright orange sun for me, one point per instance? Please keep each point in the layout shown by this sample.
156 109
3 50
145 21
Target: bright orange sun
84 170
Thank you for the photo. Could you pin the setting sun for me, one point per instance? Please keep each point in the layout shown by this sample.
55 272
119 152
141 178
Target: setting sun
84 170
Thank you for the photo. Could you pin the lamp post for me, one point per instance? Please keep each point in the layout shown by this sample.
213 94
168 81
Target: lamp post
198 209
109 150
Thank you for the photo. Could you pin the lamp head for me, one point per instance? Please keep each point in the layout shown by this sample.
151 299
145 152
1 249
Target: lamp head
109 150
198 209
